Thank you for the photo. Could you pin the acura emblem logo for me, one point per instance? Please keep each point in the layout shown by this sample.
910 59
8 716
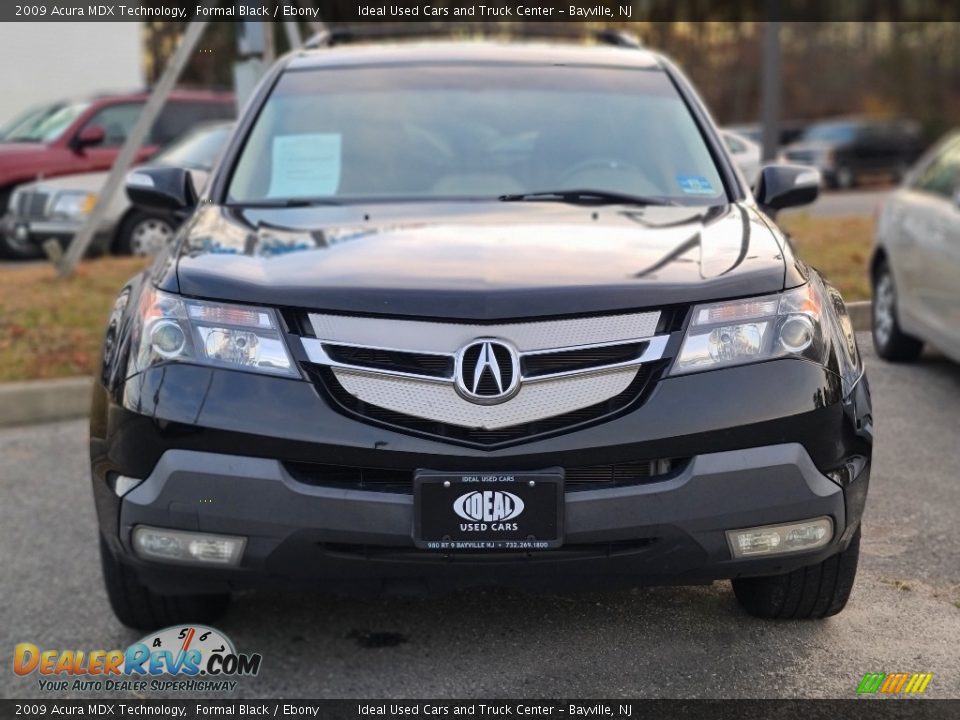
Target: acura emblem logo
487 371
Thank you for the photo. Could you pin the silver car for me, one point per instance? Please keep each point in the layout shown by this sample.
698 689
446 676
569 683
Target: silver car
915 267
745 153
57 208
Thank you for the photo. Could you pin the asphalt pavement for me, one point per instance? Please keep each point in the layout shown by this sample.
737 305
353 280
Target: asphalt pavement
651 642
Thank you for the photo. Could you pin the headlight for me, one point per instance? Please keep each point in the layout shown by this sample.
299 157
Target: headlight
753 330
72 205
12 202
175 329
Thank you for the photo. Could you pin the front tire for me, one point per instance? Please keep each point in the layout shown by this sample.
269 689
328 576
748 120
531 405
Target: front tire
890 341
137 606
144 234
845 178
11 249
809 593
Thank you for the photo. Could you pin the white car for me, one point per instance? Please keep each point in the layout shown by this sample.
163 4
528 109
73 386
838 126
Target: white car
57 208
745 153
915 268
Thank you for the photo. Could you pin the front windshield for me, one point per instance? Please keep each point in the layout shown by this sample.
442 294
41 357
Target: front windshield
197 150
830 132
28 119
47 127
474 132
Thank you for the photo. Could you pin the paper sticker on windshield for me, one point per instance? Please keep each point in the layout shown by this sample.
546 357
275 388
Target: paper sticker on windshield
695 185
305 165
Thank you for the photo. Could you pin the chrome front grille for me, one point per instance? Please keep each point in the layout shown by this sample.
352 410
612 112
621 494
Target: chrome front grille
31 205
432 377
634 394
442 337
439 401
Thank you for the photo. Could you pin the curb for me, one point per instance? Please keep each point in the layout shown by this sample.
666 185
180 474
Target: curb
860 315
38 401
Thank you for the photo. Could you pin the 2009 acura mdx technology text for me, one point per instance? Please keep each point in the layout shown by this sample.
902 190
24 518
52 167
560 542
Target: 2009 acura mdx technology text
468 314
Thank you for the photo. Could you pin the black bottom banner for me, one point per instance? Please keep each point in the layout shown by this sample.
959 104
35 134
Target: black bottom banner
427 709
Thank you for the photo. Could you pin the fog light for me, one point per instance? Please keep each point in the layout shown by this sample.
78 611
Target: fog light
780 539
187 547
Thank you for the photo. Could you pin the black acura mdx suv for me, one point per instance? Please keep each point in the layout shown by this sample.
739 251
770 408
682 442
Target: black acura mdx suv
464 314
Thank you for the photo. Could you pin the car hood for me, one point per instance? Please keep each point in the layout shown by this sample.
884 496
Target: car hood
18 154
20 148
93 182
481 261
85 182
810 146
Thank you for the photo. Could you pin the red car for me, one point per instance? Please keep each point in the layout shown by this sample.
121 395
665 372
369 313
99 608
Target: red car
86 135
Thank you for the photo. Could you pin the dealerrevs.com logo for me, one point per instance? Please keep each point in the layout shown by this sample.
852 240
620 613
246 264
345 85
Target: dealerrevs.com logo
189 658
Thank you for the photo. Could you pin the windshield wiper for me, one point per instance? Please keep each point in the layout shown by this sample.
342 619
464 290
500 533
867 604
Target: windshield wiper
583 197
285 203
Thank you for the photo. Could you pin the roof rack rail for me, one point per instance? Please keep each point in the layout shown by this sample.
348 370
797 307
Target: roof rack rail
345 34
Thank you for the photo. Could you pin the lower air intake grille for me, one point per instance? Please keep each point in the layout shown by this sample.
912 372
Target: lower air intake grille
401 481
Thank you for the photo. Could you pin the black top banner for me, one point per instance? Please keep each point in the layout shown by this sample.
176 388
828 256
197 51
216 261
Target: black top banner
468 11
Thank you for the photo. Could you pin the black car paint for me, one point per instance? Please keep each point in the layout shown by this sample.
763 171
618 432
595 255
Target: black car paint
480 261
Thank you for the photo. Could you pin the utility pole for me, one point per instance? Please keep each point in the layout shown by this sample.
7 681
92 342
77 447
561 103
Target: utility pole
128 153
294 40
252 48
316 26
770 98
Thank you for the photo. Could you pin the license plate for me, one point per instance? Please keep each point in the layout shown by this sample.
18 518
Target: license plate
488 511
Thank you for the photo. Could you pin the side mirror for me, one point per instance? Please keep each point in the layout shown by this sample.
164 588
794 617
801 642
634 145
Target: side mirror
162 188
783 186
89 136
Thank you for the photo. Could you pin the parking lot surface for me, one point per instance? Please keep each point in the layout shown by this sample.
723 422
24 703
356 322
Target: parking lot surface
651 642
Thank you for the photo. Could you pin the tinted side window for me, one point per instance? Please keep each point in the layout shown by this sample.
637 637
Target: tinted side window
117 121
734 145
942 175
873 134
180 116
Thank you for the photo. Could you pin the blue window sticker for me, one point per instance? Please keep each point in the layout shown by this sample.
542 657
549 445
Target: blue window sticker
695 185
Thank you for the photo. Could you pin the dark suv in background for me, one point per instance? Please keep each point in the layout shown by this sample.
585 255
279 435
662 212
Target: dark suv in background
848 149
85 135
452 315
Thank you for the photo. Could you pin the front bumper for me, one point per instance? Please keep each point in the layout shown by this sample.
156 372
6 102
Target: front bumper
662 532
37 232
212 445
